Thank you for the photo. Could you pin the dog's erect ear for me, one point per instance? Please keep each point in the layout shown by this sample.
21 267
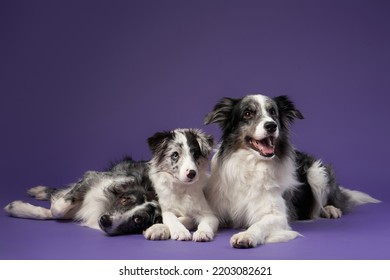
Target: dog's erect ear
287 110
159 140
205 142
222 112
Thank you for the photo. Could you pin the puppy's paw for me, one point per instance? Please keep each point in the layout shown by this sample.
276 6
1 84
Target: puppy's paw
202 236
243 240
157 232
181 235
331 212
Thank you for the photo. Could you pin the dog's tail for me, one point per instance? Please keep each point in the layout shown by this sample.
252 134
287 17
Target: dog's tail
41 192
356 198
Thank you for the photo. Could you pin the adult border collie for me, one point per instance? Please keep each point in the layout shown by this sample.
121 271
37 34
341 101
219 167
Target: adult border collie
258 181
179 171
121 200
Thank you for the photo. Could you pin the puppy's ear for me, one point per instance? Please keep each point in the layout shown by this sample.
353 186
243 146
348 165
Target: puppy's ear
159 140
222 112
287 110
205 142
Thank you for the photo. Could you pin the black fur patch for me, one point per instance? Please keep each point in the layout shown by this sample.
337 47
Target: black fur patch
301 200
158 144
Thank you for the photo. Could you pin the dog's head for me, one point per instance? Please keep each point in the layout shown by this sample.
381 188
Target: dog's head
132 208
182 153
256 123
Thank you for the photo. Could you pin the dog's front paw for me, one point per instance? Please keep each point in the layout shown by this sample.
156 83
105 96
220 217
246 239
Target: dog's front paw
181 235
243 240
157 232
331 212
202 236
13 207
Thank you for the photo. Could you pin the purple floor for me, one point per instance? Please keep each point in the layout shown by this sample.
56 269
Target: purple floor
362 234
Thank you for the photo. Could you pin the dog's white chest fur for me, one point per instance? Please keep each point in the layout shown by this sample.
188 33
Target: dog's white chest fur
180 199
243 188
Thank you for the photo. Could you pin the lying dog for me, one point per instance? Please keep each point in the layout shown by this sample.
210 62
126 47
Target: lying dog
121 200
256 171
179 173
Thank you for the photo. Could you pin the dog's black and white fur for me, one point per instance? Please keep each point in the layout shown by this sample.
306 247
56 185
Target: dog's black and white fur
258 181
121 200
179 171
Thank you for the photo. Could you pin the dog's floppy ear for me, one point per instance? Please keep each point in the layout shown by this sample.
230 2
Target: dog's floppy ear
222 112
287 110
159 140
205 142
120 187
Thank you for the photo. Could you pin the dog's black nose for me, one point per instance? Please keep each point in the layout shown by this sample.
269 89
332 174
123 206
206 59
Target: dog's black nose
191 174
105 221
270 127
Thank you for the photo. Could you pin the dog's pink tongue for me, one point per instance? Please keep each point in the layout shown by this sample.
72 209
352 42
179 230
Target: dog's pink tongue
268 150
263 148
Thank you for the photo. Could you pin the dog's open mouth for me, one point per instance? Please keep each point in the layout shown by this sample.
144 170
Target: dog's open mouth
265 146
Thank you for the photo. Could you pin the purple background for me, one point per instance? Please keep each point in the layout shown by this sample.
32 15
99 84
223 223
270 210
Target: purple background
85 82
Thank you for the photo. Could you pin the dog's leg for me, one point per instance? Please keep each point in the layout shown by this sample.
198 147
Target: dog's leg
317 178
271 228
61 207
26 210
157 232
177 230
64 201
208 225
326 190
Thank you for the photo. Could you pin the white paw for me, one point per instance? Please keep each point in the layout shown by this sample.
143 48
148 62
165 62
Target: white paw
39 192
157 232
181 235
243 240
331 212
202 236
13 207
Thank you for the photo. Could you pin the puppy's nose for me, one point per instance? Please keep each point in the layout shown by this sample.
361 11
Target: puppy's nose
270 127
191 174
105 221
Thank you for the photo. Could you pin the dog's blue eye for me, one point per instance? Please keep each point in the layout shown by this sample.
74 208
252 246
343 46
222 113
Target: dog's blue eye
175 156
